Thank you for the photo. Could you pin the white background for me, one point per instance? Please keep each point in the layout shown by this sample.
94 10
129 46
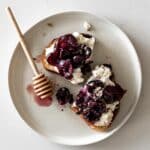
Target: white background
133 16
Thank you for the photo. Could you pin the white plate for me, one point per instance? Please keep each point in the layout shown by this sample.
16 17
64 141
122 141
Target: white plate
112 46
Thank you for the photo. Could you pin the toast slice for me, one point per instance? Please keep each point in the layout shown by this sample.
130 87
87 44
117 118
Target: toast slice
45 63
98 101
70 56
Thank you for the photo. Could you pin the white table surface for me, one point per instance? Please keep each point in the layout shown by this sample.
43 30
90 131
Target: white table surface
133 16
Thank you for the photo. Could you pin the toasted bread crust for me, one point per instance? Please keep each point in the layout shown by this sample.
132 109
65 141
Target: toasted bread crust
91 125
44 59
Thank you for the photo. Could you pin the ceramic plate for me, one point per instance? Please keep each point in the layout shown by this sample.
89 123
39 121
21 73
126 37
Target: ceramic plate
112 46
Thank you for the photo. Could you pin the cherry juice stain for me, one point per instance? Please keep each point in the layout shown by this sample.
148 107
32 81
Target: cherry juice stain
41 102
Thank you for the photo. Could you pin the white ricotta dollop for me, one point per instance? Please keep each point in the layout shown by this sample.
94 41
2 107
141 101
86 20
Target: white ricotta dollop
112 106
102 73
77 76
87 26
50 49
90 42
107 117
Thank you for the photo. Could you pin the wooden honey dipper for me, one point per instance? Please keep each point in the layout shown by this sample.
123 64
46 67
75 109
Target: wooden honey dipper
41 84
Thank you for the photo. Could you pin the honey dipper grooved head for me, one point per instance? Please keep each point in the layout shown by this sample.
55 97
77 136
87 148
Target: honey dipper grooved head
42 86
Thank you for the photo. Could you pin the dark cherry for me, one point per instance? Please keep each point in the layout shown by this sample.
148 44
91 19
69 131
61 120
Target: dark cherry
95 83
86 68
63 96
65 68
72 40
87 35
78 51
88 52
82 99
81 49
71 50
94 110
90 108
108 65
64 54
91 115
91 103
79 101
63 45
71 99
85 50
113 93
77 61
67 41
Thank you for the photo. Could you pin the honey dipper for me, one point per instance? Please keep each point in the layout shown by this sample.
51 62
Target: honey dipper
41 84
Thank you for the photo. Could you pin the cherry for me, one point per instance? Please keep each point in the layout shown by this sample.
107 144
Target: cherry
63 96
65 68
77 61
113 93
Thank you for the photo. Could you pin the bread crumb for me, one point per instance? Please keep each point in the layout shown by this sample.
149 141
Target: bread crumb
50 24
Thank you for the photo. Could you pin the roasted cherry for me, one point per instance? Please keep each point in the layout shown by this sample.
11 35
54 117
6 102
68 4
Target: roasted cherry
65 68
63 96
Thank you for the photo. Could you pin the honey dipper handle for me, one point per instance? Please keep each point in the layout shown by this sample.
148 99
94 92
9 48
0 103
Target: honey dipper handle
22 42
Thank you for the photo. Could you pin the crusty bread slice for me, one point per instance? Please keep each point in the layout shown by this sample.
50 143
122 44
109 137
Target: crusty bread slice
51 67
91 125
44 60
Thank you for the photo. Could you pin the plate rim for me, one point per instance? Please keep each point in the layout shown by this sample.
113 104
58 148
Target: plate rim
138 64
